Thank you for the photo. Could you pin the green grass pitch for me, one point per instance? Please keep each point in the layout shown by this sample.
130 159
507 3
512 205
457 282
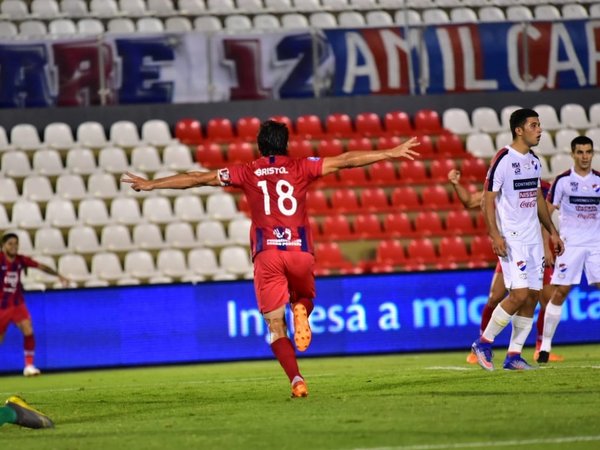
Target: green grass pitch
405 402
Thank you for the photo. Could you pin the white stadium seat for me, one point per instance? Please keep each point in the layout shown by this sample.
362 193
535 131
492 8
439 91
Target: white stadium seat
125 211
236 260
180 235
91 134
211 233
485 119
457 120
60 213
574 116
378 19
147 236
480 145
93 211
116 237
49 241
113 160
37 188
80 161
70 187
83 239
15 164
189 208
47 162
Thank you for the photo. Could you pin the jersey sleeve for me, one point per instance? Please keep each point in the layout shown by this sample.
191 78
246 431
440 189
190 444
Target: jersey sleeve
231 176
312 167
496 175
28 262
556 193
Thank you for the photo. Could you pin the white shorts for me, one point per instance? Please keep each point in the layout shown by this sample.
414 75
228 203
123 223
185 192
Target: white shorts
569 266
523 267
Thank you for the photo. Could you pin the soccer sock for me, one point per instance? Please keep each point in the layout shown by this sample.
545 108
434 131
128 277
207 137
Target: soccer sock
486 315
553 315
308 304
498 322
284 352
521 327
540 325
29 347
7 415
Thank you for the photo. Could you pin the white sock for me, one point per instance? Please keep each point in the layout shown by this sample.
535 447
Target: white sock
521 327
296 379
551 320
498 322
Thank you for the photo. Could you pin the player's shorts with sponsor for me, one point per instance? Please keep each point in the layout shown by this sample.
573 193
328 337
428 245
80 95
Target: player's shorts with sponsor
14 314
569 266
279 274
523 267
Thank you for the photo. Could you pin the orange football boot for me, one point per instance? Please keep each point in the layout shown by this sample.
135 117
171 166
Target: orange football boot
302 332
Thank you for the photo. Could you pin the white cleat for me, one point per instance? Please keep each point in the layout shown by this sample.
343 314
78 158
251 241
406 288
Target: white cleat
31 371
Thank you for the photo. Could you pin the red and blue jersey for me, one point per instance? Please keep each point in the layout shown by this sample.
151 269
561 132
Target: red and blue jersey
276 188
11 289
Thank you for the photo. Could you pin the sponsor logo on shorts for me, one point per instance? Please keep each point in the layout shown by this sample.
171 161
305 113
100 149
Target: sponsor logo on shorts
283 237
522 265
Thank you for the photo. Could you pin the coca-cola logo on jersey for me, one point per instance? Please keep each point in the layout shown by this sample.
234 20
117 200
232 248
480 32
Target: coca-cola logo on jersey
528 204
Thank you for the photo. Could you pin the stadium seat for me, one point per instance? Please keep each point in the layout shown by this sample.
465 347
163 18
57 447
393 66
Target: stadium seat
8 190
546 12
37 188
460 222
337 227
125 210
574 11
389 253
62 27
14 9
237 22
15 164
248 127
157 210
368 124
116 237
238 231
91 134
236 260
309 126
546 145
518 13
90 26
491 14
486 120
428 122
421 253
344 201
300 148
480 145
473 169
335 4
162 7
279 5
189 131
378 18
436 197
397 123
356 176
548 117
387 142
60 213
134 8
113 160
413 171
47 162
573 115
210 155
102 185
463 15
435 16
189 208
453 250
33 29
316 202
104 8
322 19
398 225
265 22
157 133
382 173
359 144
211 233
203 261
74 267
503 139
121 25
58 135
207 23
450 145
329 258
140 264
219 129
180 235
294 21
367 226
27 214
405 198
124 133
339 125
351 19
177 157
25 136
405 16
563 139
74 8
429 223
560 163
439 169
457 121
93 212
240 152
172 263
481 250
374 199
329 147
221 206
178 25
49 241
82 239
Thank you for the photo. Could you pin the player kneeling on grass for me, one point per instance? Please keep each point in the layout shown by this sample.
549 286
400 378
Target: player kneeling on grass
17 411
280 236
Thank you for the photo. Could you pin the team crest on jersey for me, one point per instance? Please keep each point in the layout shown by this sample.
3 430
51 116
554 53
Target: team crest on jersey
517 167
574 186
535 165
596 188
522 265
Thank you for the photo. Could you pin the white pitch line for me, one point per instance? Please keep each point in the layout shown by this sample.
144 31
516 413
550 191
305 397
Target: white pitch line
512 443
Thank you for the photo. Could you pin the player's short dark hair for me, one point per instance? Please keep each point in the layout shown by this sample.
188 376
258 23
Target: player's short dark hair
272 138
581 140
519 117
7 236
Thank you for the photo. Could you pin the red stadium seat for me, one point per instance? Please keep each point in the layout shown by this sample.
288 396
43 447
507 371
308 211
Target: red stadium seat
449 144
316 203
189 131
344 200
367 226
337 226
429 223
286 120
374 199
435 197
247 128
421 252
439 169
460 222
474 169
387 142
398 225
309 126
329 258
453 250
315 228
480 225
413 171
219 129
428 121
302 148
359 143
339 125
240 152
426 147
356 176
382 172
481 250
329 147
405 198
210 155
390 252
368 124
398 123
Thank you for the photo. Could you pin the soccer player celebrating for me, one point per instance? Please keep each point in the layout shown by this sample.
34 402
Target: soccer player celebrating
576 194
12 300
280 236
514 207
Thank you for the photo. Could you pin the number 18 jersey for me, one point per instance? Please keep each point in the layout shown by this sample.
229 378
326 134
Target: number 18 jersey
276 188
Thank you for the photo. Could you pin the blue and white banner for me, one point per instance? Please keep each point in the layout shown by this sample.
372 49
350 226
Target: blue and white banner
131 326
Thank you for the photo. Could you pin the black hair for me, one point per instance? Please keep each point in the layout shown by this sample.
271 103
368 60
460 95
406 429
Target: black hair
519 117
7 236
581 140
272 138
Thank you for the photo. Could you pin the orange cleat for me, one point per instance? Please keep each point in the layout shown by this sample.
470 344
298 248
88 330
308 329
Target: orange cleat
299 389
472 358
302 333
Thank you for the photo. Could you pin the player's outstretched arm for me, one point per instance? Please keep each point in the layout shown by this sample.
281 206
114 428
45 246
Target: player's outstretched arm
179 181
469 200
364 158
50 271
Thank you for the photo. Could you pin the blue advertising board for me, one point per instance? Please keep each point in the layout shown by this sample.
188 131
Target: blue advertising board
182 323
